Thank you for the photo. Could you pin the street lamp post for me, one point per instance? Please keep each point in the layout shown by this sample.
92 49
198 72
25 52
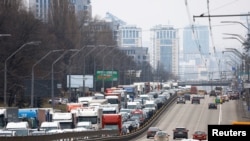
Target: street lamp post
70 61
52 75
5 67
84 69
113 66
32 75
110 51
101 51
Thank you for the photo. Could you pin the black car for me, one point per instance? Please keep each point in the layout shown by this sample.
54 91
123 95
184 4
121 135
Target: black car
195 99
181 100
187 96
212 106
213 93
180 132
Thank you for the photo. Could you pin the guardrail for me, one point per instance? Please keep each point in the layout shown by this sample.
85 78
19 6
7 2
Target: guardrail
206 83
101 135
70 136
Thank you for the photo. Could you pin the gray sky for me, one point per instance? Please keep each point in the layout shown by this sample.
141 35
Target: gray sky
179 13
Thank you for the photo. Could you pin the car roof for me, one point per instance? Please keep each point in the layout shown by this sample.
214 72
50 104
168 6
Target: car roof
199 132
154 128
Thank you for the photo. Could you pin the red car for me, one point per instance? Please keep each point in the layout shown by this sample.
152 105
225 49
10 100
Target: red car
200 135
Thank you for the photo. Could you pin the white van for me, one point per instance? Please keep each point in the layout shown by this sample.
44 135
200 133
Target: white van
20 128
47 126
84 124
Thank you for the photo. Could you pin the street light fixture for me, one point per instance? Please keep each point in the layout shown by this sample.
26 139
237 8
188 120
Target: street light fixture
32 75
5 66
236 22
237 35
52 74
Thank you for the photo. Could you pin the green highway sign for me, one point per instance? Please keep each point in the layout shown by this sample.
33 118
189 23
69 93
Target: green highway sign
107 75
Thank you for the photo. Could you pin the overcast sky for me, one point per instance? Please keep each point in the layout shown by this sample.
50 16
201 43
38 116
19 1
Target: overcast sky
179 13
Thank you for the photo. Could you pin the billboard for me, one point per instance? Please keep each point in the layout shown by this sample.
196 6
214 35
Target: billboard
76 81
106 75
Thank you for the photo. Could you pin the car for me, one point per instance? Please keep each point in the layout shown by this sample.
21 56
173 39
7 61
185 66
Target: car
213 93
180 132
212 106
181 100
195 99
225 97
152 131
189 140
161 136
200 135
187 96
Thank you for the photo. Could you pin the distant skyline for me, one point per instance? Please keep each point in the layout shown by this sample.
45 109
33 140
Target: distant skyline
179 13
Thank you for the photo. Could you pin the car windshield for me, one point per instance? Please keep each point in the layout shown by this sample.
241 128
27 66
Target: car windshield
161 134
180 129
199 132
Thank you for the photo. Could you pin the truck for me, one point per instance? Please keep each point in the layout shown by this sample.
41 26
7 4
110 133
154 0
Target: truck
47 126
112 121
85 100
8 114
65 119
193 90
30 115
91 114
98 102
133 105
21 128
140 114
114 99
110 108
71 106
131 90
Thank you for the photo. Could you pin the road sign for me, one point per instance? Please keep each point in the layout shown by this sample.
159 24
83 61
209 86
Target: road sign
106 75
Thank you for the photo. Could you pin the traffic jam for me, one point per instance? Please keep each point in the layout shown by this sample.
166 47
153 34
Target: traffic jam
124 108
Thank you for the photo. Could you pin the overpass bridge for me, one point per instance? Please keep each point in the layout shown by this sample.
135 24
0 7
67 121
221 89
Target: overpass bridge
206 83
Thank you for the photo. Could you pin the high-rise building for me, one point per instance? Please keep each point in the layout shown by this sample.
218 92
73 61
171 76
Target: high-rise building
41 8
195 50
115 24
195 42
164 48
130 36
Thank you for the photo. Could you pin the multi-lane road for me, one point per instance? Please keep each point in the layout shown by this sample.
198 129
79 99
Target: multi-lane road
196 116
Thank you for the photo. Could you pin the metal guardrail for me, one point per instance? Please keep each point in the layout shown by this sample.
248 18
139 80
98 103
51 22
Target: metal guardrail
70 136
206 83
101 135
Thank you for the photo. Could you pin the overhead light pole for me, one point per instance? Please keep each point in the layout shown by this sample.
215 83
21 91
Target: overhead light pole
32 76
52 75
5 66
237 22
100 51
113 57
103 83
84 69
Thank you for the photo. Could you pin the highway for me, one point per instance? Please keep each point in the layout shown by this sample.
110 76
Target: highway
195 117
